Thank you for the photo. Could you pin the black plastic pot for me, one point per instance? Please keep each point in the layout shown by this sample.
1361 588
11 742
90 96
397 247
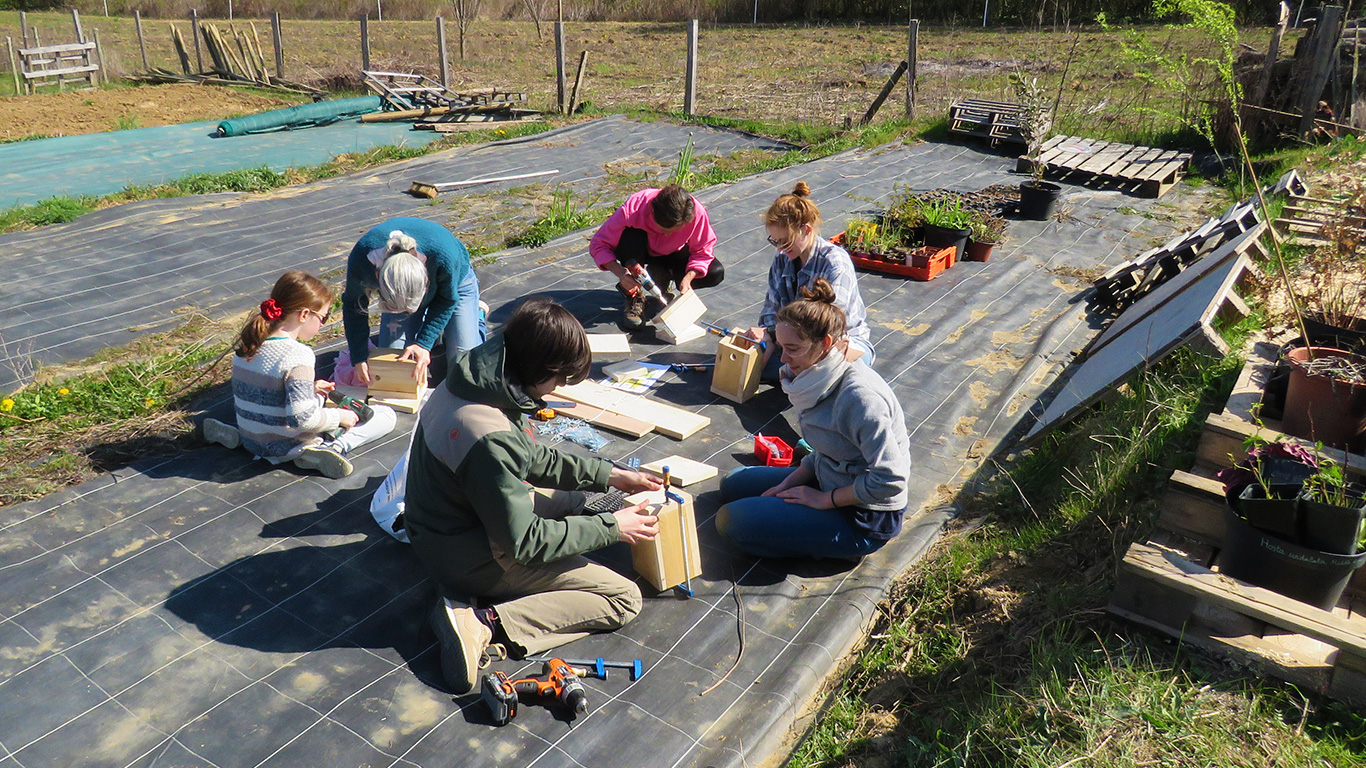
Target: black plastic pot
1351 338
1278 515
1308 575
943 237
1330 527
1038 199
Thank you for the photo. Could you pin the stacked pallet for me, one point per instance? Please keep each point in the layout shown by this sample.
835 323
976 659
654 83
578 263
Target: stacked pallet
236 59
413 96
1171 582
1132 280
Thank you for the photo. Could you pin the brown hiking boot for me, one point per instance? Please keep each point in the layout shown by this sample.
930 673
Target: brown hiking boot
633 314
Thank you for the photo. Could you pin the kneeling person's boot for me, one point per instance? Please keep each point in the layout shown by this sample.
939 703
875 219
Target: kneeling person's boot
462 639
633 314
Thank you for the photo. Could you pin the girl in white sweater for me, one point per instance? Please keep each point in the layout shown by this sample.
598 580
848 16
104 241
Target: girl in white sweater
282 412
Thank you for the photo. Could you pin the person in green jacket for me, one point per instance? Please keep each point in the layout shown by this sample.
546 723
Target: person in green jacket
478 522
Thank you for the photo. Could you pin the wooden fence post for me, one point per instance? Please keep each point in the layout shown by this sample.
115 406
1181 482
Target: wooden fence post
441 51
578 80
886 91
1326 34
194 31
23 29
76 22
99 75
142 43
1272 53
279 41
561 103
912 50
13 64
365 41
690 83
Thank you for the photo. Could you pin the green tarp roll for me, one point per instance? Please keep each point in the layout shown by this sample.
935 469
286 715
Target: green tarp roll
302 116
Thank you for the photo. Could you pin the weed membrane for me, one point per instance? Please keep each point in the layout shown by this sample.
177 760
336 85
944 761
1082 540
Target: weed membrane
209 610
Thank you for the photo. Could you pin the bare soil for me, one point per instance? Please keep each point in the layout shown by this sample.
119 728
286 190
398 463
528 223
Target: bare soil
107 110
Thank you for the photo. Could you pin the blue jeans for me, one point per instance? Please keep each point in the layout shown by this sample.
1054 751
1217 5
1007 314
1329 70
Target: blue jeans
768 526
467 328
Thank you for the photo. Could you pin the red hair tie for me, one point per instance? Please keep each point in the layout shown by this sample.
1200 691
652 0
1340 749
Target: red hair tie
271 311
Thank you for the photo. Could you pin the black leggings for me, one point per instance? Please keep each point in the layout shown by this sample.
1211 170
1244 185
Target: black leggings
634 247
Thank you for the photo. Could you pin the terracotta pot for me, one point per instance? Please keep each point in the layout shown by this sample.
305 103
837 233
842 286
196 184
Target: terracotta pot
978 251
1321 408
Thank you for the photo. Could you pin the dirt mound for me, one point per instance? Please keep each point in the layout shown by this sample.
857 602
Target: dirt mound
80 112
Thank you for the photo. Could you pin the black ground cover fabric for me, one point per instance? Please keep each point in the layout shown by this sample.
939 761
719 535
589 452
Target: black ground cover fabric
206 610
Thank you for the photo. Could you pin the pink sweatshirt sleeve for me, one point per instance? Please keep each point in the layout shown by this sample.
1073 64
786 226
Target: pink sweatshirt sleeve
603 246
701 241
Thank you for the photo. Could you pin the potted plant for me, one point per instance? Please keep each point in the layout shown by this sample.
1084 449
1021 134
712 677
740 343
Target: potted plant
1273 538
1332 510
905 216
987 231
946 224
1335 277
1325 399
861 236
1038 198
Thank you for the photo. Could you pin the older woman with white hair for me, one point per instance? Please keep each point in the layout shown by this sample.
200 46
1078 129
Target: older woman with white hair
427 291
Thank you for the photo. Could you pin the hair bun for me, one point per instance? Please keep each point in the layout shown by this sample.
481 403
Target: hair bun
401 242
801 189
820 291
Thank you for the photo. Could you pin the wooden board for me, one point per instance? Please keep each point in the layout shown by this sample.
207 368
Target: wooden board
598 417
667 420
1171 289
673 556
402 404
625 370
677 323
682 471
609 344
1182 321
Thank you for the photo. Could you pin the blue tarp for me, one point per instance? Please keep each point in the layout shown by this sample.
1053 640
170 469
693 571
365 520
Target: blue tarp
104 163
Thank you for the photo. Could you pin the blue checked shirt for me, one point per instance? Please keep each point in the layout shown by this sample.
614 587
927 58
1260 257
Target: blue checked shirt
829 261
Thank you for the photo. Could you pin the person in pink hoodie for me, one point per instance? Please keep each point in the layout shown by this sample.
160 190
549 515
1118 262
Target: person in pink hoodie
667 232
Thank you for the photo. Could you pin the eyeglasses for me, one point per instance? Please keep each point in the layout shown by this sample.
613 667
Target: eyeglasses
784 246
322 318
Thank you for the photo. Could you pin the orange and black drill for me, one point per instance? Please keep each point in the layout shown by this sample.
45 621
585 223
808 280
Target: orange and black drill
558 680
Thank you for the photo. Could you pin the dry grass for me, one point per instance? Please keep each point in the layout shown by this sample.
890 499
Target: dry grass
814 75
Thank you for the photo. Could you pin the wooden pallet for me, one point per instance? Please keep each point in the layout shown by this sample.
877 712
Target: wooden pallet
996 121
1128 282
1171 582
1142 171
60 65
405 91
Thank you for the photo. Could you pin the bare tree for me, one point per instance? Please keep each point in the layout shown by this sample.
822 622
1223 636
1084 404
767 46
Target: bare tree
535 8
465 12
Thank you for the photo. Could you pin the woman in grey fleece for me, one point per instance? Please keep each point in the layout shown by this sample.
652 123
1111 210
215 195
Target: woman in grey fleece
848 497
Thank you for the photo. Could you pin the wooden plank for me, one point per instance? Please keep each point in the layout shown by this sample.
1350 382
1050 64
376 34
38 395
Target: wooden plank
682 470
1069 152
1048 149
667 419
1131 154
1174 324
60 72
609 344
1222 441
598 417
64 48
1193 505
1135 163
1104 157
1348 633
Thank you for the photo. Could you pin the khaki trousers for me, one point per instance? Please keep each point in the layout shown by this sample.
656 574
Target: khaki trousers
545 606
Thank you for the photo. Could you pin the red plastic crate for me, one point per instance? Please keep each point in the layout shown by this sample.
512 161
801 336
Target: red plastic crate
772 451
924 263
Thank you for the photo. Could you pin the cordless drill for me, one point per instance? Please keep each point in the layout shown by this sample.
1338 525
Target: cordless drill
643 277
558 680
363 412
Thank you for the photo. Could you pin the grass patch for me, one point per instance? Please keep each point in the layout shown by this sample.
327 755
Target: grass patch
564 216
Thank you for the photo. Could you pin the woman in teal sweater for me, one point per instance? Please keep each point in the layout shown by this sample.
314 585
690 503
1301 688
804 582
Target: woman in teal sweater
427 291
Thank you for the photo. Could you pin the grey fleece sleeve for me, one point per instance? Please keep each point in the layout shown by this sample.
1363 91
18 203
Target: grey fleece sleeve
873 425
